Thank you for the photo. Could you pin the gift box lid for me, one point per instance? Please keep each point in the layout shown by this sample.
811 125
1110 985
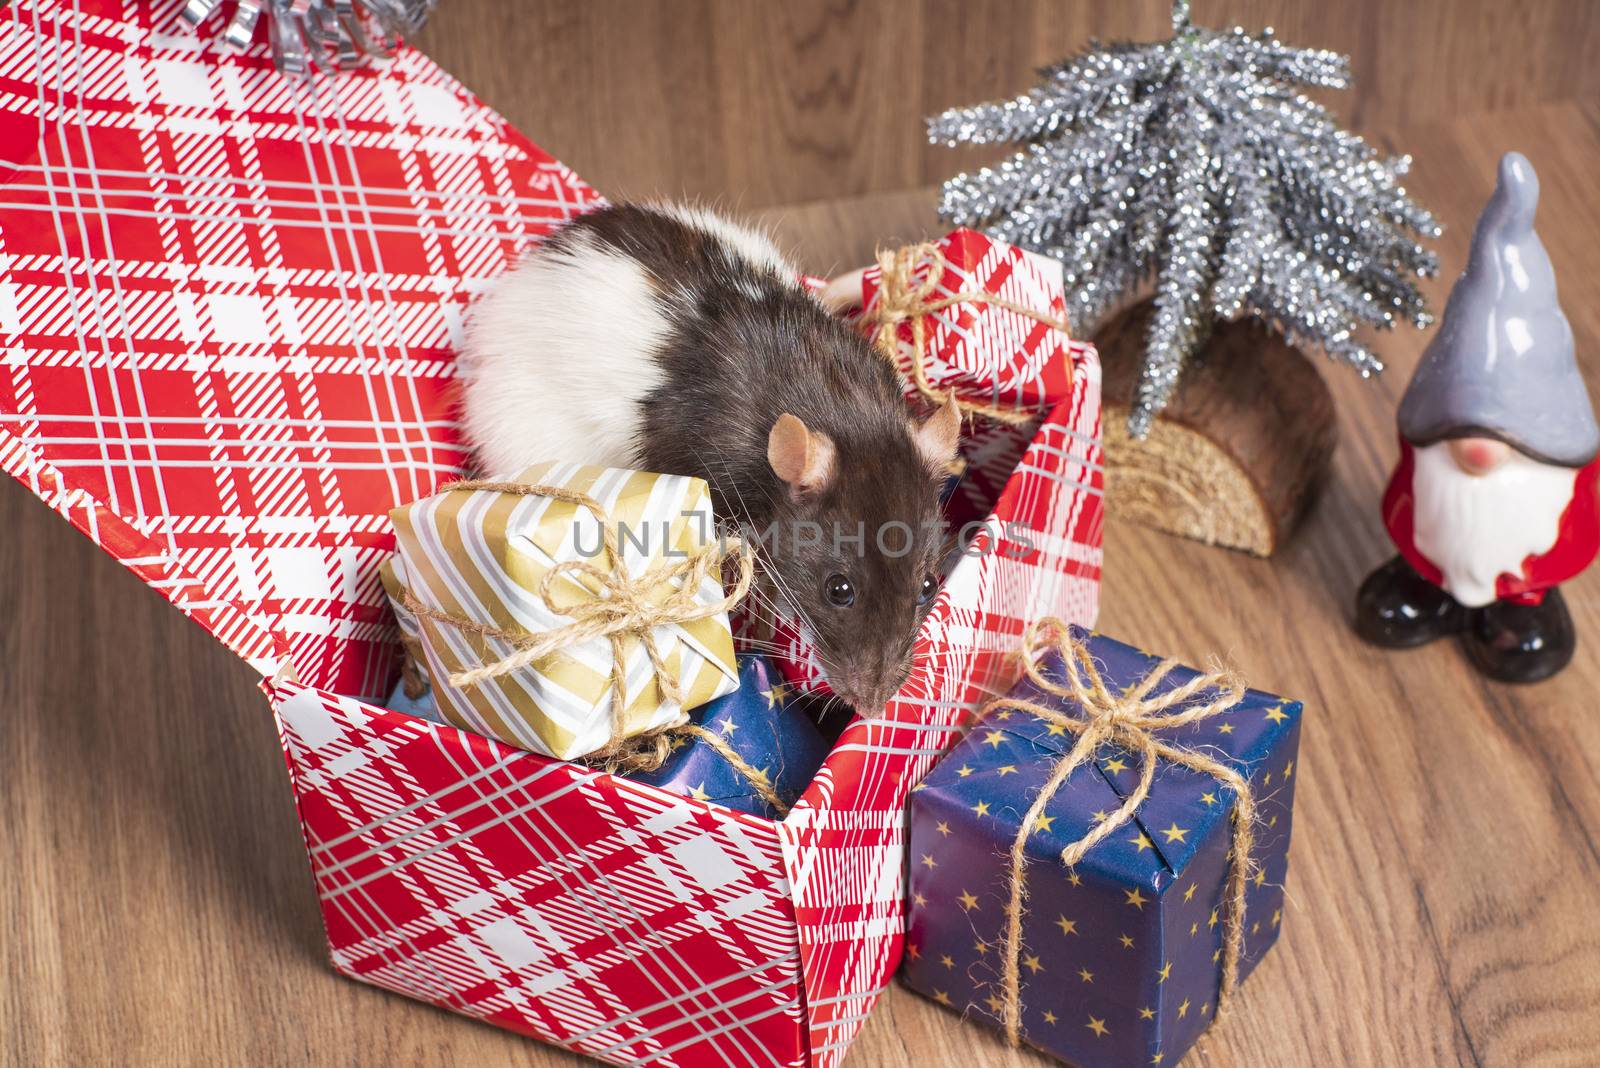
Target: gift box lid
227 303
1184 807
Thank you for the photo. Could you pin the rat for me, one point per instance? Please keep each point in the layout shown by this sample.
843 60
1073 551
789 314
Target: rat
668 338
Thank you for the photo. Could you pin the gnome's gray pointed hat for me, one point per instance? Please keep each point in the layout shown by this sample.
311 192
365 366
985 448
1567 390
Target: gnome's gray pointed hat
1502 364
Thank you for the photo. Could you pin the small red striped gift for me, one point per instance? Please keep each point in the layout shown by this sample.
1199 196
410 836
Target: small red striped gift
227 305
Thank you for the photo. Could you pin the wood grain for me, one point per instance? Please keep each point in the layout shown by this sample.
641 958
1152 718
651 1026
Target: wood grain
759 104
1238 455
156 909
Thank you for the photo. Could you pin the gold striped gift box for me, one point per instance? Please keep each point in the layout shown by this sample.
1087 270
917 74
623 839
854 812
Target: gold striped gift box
481 555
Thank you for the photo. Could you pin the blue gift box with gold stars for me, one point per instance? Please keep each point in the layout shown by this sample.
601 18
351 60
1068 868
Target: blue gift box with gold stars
1120 956
766 726
771 729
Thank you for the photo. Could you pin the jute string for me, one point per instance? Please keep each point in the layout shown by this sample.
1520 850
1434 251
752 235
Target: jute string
901 299
627 610
1131 720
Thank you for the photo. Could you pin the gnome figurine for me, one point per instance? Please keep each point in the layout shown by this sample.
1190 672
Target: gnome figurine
1493 503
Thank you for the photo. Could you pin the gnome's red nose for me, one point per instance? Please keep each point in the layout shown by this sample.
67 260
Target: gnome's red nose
1478 456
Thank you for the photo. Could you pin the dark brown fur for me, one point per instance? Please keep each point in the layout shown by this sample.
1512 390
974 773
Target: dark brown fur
746 346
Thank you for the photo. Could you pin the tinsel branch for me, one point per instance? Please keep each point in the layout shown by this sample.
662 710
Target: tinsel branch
1198 162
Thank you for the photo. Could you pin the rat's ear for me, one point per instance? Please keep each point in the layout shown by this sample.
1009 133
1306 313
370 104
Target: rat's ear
939 434
801 456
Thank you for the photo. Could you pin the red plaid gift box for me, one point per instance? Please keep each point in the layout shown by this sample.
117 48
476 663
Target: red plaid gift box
988 353
227 300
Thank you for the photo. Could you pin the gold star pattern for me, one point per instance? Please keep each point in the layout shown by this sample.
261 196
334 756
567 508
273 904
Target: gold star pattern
1136 899
1266 780
1098 1026
1183 1010
943 828
699 793
1165 973
1277 917
928 861
1147 1014
1209 798
1273 822
913 951
1255 928
1116 765
1261 877
1212 920
982 947
968 902
1050 1017
1157 1058
1074 878
1101 816
918 900
941 997
1056 730
728 727
993 739
762 776
1175 833
1226 728
1006 769
1276 714
1188 895
1033 964
1126 940
963 771
1142 842
776 694
947 960
1205 1008
981 808
994 1003
1194 929
1288 769
1086 975
1042 823
1067 926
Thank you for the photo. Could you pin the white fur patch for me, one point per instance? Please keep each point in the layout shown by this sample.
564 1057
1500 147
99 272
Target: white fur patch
1476 528
558 354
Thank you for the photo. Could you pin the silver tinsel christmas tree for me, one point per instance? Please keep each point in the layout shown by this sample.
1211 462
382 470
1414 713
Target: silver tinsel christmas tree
322 34
1198 160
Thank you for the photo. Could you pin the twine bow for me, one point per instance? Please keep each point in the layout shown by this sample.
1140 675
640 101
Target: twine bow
630 608
1130 719
901 299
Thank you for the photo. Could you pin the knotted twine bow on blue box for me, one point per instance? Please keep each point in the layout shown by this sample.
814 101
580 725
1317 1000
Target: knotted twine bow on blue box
763 724
1120 949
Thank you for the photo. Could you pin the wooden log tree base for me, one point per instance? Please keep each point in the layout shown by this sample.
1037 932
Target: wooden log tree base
1238 456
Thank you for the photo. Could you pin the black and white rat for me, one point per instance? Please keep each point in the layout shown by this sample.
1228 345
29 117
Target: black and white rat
670 339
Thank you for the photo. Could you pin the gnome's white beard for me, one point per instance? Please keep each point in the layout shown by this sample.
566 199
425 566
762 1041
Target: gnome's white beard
1475 528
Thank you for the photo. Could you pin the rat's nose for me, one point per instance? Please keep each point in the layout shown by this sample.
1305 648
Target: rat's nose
1478 456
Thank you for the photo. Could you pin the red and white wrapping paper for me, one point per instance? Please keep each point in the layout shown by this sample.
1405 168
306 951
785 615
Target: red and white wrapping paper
227 302
985 352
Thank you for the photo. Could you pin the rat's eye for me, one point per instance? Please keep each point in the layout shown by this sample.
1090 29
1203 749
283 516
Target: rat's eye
930 587
840 590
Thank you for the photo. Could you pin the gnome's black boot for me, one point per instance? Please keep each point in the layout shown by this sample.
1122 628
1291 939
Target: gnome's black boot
1398 608
1521 642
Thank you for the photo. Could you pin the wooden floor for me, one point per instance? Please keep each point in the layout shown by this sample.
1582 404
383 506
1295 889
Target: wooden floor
155 906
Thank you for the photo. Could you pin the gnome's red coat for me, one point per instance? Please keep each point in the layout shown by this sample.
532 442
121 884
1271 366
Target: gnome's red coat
1577 540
